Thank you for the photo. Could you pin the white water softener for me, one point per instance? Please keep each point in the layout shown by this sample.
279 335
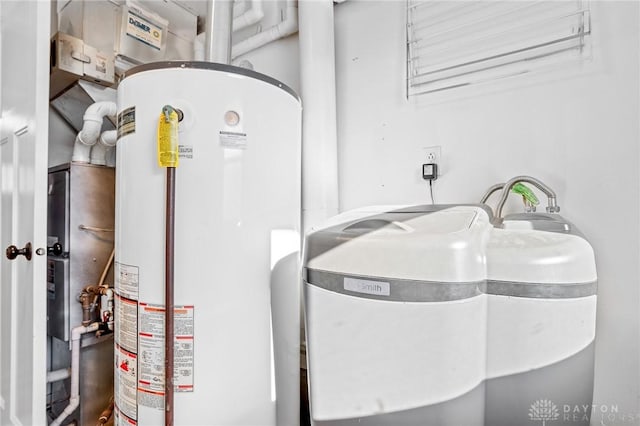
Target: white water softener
430 315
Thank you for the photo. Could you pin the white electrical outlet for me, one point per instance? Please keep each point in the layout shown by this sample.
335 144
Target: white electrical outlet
432 154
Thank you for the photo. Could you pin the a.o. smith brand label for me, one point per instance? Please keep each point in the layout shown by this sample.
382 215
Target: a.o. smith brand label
126 121
378 288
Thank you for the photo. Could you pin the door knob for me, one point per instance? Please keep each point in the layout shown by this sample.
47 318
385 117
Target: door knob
55 249
13 252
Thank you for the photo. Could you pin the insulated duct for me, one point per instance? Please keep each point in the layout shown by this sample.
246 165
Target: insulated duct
218 31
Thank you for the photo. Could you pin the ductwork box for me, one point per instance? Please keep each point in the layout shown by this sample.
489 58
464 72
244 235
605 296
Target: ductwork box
72 59
99 39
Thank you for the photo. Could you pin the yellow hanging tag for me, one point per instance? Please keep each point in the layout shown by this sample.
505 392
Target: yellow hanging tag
168 137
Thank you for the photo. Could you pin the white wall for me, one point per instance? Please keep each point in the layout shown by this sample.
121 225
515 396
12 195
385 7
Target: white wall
579 134
279 60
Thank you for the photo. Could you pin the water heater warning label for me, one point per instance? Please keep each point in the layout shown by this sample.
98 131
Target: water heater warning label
125 382
151 353
127 280
121 419
235 140
126 334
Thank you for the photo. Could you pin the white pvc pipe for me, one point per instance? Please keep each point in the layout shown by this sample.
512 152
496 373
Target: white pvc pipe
319 130
88 136
99 155
81 151
285 28
218 31
249 17
74 398
111 157
100 151
109 138
57 375
198 47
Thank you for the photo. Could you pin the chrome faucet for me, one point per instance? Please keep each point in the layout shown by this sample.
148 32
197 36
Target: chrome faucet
491 190
552 206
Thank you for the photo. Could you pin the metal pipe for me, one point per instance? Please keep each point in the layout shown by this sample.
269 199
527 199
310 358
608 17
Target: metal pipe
106 414
552 206
169 294
490 191
218 29
85 300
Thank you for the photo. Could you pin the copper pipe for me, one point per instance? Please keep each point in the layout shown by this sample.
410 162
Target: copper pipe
96 290
106 414
168 296
106 267
85 300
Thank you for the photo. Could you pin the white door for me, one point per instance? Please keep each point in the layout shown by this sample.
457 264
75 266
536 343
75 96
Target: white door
24 93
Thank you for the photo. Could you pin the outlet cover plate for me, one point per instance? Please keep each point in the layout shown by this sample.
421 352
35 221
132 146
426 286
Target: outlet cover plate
432 154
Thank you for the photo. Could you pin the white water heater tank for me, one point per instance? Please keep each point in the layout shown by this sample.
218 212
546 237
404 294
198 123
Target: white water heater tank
237 186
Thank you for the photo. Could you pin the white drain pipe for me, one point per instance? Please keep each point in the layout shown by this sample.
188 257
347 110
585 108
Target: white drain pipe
319 130
288 26
109 139
74 398
88 136
249 17
57 375
101 151
198 47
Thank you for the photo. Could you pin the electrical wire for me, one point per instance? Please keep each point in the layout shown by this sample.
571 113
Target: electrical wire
431 191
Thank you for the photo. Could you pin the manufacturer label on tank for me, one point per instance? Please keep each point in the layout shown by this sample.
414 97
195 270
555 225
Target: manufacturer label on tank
185 152
378 288
126 122
151 353
234 140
